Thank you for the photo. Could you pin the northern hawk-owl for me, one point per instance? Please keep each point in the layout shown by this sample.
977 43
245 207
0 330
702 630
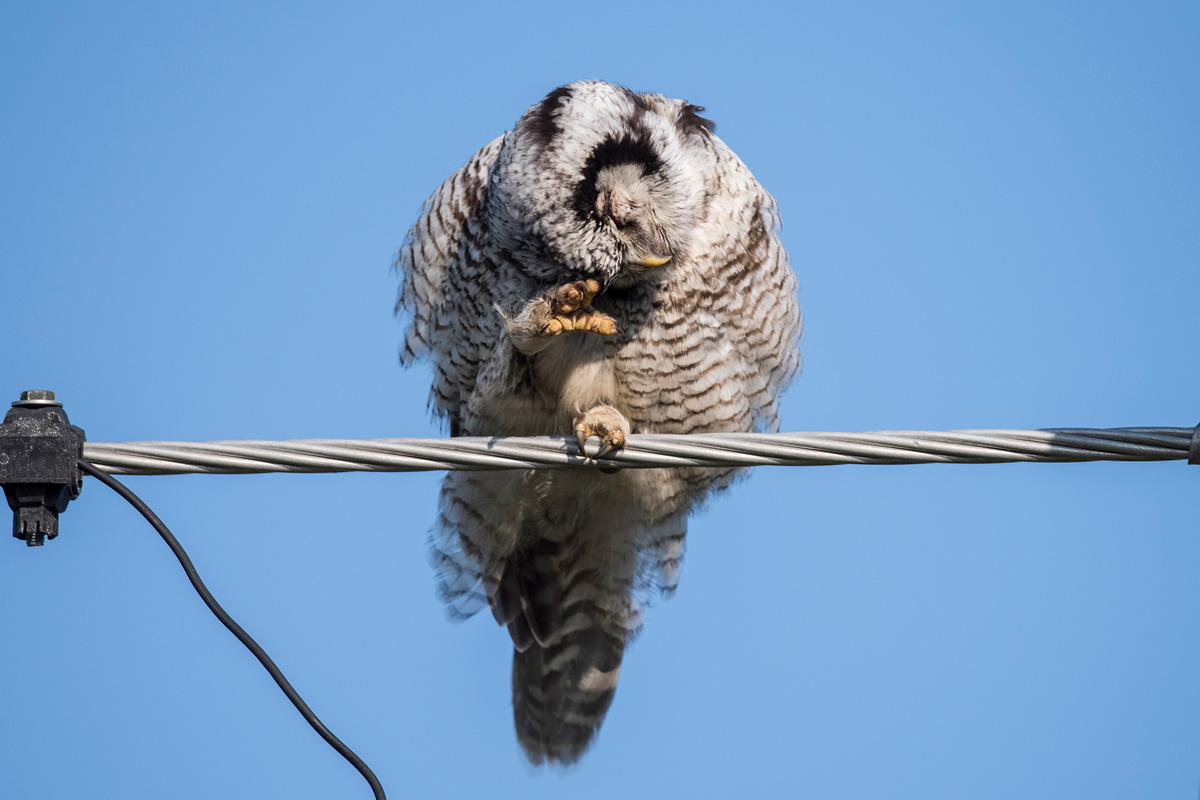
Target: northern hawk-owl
607 267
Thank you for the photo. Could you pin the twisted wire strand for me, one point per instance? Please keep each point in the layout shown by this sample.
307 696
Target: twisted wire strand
644 451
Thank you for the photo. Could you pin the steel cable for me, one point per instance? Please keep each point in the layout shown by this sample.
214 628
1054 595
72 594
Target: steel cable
644 451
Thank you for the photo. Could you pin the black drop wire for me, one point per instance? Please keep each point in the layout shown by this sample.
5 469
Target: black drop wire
234 628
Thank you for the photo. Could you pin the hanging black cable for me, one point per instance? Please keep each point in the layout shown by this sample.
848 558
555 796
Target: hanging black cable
233 627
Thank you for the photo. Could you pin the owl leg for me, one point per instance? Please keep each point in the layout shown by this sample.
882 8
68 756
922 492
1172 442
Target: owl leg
563 308
607 423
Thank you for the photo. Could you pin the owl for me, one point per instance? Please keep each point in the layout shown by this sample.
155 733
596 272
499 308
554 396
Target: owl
607 267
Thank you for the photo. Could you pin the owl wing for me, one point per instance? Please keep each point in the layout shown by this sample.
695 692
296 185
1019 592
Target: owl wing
758 299
446 296
442 291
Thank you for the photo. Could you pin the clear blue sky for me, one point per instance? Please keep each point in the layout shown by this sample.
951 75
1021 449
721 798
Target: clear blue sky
994 212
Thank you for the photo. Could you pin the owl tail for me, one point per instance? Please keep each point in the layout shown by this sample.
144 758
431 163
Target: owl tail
565 662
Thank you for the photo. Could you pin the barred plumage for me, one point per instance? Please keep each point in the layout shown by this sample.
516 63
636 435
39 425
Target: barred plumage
608 266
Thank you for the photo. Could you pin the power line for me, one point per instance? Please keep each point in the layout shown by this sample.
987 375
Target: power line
649 450
234 628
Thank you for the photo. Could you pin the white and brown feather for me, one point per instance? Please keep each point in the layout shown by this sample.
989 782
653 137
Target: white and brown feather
707 342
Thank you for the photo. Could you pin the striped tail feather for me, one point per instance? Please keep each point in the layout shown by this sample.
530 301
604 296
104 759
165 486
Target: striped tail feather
562 693
567 651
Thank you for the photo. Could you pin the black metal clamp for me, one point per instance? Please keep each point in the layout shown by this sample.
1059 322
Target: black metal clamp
39 469
1194 449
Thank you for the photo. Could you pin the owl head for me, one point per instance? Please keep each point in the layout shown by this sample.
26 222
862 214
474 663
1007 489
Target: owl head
597 181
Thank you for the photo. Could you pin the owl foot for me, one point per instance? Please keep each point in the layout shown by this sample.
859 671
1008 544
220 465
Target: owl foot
561 309
605 422
567 310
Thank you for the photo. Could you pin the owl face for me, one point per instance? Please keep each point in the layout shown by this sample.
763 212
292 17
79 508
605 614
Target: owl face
597 181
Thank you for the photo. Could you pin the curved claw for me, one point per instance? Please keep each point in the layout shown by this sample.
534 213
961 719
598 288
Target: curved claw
608 444
607 424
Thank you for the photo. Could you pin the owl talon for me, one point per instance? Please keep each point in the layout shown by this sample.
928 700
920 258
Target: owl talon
588 321
569 310
605 422
572 297
606 447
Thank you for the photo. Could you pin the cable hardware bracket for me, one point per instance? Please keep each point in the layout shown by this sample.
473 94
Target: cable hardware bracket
39 451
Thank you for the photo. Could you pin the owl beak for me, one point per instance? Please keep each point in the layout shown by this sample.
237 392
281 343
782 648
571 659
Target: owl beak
651 260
